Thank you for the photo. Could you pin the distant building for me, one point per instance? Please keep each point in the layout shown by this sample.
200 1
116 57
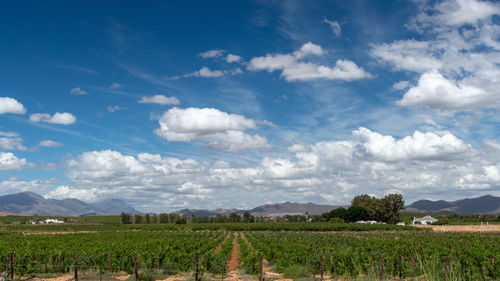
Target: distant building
47 221
401 223
425 220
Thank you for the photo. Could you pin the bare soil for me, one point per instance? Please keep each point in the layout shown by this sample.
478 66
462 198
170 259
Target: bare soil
462 228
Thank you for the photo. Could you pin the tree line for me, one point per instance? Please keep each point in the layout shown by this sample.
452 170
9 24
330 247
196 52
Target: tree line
363 207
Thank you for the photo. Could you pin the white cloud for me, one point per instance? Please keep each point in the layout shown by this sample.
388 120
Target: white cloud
435 91
50 143
9 161
335 26
159 99
401 85
206 72
309 49
10 105
230 58
15 185
456 13
408 55
78 91
293 68
458 64
11 141
58 118
332 171
219 129
419 146
115 86
212 54
115 108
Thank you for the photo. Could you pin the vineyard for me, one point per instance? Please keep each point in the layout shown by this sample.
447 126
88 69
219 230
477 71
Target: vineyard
349 255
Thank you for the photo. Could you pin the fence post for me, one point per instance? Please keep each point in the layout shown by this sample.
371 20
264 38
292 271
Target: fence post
75 266
158 260
261 278
321 265
135 267
382 261
196 269
60 268
12 266
50 262
400 268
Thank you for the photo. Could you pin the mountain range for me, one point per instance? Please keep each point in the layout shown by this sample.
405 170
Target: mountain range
32 203
482 205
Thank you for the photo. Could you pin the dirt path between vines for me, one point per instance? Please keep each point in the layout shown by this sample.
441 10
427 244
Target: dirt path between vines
234 263
219 248
266 269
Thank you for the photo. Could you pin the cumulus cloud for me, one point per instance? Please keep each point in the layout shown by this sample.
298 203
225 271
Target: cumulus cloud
455 13
11 141
15 185
159 99
435 91
219 129
50 143
10 105
212 53
294 68
78 91
458 64
9 161
206 72
58 118
417 165
335 26
418 146
230 58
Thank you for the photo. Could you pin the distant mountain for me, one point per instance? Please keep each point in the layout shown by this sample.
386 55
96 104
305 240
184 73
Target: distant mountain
483 205
268 210
32 203
114 206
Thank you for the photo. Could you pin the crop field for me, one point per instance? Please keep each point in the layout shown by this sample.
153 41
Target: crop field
236 252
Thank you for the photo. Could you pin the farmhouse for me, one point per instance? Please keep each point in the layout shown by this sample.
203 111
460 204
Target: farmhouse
425 220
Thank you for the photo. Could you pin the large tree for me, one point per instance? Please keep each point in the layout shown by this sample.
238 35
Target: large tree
385 209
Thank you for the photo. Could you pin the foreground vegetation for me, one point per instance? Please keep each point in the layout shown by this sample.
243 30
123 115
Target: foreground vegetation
293 249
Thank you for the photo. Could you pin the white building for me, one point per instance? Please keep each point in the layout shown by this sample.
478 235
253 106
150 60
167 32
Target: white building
425 220
53 221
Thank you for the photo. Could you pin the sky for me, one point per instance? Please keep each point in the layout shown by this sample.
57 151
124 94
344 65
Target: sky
234 104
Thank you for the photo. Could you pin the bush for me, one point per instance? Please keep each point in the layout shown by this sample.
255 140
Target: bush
296 271
442 221
336 220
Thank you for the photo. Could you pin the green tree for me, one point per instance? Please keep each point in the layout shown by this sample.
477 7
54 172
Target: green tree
234 217
137 219
356 213
391 205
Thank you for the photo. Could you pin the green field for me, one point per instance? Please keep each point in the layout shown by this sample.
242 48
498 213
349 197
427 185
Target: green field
348 251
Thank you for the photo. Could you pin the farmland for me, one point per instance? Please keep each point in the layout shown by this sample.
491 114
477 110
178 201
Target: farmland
291 250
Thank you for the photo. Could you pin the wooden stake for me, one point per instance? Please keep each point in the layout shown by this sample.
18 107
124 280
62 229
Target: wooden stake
75 266
321 265
196 269
12 266
261 268
382 261
400 269
60 268
135 268
50 262
158 260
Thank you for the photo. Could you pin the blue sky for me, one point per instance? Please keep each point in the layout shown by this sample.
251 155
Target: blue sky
207 104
